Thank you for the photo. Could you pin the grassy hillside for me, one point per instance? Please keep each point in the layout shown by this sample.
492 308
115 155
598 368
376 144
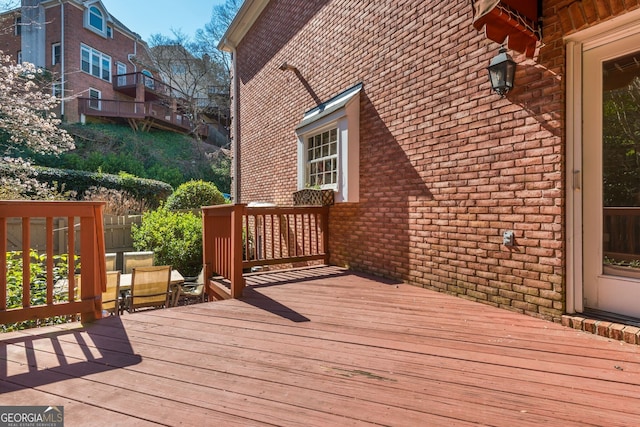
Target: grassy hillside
160 155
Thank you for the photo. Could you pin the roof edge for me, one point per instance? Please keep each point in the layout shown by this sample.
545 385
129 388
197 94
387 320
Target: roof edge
241 24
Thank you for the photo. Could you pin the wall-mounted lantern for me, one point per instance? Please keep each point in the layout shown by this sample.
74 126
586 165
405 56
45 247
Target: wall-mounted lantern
502 70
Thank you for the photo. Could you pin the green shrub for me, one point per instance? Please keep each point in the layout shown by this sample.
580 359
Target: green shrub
174 237
149 192
194 195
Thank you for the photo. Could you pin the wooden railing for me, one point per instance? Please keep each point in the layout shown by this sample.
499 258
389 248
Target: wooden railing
111 108
92 257
237 237
132 109
622 233
129 80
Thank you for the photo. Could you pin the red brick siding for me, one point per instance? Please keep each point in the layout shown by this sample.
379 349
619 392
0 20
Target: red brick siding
77 82
9 42
446 166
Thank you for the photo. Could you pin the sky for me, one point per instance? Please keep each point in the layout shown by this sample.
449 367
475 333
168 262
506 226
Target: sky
147 17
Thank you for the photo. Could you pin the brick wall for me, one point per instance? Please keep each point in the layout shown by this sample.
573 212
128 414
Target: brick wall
77 82
446 166
9 42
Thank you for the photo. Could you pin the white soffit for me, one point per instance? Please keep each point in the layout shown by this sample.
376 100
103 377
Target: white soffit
242 23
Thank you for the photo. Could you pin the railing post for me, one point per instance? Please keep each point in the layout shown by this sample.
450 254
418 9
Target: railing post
325 233
237 281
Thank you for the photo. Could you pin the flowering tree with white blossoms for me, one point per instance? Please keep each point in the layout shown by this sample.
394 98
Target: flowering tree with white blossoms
26 110
28 121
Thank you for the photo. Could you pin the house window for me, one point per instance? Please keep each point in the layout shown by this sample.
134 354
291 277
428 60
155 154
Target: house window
121 70
19 56
96 19
56 52
56 90
18 26
94 99
95 63
329 146
148 79
109 31
322 160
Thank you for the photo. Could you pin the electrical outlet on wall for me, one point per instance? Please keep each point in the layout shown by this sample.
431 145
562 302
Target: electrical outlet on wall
508 238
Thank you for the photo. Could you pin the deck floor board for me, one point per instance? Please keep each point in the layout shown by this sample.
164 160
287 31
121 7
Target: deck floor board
322 347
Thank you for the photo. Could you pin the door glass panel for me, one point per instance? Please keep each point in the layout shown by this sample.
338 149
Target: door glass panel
621 166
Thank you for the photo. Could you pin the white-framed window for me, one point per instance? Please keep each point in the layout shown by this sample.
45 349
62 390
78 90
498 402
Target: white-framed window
56 53
94 99
329 146
148 79
19 57
321 162
121 70
17 23
56 90
95 63
96 19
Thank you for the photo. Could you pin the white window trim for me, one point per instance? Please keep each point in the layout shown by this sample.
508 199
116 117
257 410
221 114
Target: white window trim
576 44
101 56
17 22
307 136
121 68
343 113
99 108
105 19
87 20
53 53
56 89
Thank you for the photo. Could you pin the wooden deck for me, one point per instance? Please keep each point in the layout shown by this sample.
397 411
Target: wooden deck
324 347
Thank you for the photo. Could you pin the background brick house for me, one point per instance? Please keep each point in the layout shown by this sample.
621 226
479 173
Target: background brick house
100 67
445 165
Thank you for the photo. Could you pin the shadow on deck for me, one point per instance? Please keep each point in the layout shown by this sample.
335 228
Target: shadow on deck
41 356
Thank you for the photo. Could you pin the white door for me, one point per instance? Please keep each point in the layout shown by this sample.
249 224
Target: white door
611 176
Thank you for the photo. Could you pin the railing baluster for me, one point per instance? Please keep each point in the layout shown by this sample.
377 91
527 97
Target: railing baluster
273 237
71 262
26 262
3 263
49 251
303 233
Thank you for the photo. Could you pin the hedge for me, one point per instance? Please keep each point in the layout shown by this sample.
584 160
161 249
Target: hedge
153 192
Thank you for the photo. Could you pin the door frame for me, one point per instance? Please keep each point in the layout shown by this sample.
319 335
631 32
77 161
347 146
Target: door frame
576 44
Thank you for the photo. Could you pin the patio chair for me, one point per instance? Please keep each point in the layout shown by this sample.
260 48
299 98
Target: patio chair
191 291
111 297
149 287
110 260
131 260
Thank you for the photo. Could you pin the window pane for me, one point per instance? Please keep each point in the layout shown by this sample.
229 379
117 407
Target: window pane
321 159
95 18
95 65
106 69
85 60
